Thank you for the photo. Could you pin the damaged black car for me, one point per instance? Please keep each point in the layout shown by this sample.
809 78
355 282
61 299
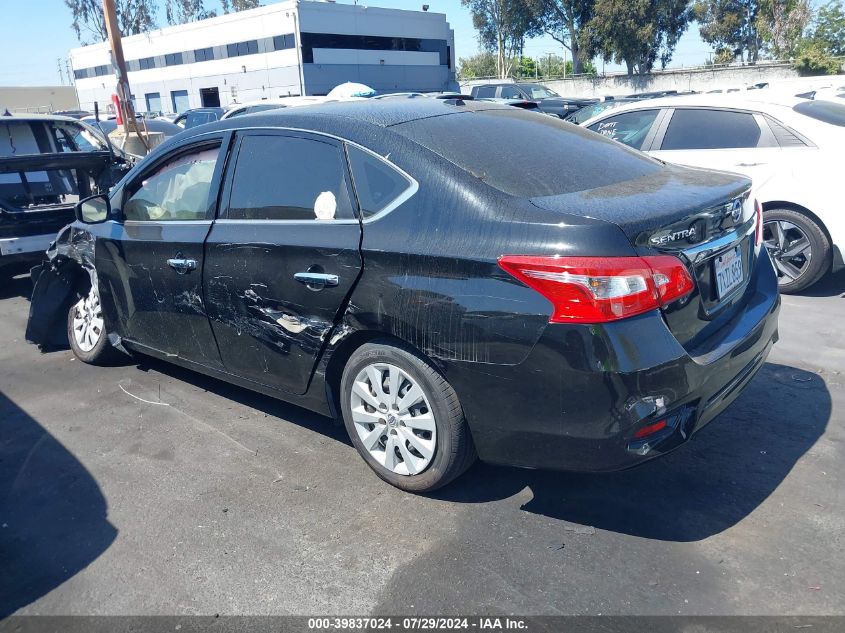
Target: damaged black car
47 164
382 263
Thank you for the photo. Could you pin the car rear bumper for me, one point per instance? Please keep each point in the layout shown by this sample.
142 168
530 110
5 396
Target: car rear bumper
34 245
582 394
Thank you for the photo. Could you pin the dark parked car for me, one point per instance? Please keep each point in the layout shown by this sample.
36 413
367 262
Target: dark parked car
548 100
47 163
373 261
198 116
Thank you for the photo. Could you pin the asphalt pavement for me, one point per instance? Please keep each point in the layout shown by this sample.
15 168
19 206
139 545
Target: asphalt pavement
148 489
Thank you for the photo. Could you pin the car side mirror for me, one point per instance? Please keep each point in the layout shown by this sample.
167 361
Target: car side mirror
93 210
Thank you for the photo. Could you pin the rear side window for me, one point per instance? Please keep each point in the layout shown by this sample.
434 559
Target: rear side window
630 128
289 178
376 183
485 92
711 129
826 111
532 156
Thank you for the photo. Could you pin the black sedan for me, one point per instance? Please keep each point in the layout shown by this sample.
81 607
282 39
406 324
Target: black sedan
377 262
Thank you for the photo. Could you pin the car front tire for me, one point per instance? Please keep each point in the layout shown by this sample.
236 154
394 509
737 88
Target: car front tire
86 330
404 418
799 248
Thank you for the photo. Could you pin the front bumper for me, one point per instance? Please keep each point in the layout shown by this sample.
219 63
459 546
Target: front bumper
583 392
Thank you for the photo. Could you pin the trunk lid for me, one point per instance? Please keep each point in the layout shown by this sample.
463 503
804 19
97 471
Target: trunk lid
706 218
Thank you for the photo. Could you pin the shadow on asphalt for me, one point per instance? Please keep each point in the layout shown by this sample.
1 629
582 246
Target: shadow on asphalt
706 486
829 286
53 516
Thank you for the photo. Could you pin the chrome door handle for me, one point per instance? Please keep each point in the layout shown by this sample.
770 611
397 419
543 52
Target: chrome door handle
182 266
317 281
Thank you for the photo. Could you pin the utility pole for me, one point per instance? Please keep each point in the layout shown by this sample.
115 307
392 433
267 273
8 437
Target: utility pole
124 93
70 76
61 76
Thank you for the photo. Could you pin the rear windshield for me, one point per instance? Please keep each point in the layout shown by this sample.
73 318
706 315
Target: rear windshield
527 154
827 111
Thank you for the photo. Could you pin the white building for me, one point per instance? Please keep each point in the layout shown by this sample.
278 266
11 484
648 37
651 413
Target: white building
295 47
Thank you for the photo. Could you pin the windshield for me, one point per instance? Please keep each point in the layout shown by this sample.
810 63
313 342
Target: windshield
826 111
532 156
539 92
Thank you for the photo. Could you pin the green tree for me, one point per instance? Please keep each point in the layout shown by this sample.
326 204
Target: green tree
183 11
89 23
638 32
812 58
829 28
564 21
782 23
730 24
477 66
233 6
503 26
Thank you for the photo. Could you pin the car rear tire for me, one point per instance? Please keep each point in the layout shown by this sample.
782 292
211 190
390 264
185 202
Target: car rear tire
404 418
798 247
86 331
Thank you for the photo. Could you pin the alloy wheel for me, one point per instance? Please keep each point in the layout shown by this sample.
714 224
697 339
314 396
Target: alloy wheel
88 321
393 419
789 248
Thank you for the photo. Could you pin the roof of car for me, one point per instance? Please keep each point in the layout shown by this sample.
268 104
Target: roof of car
761 100
32 116
379 112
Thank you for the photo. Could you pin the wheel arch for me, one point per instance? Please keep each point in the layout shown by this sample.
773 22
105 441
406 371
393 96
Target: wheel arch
771 205
344 350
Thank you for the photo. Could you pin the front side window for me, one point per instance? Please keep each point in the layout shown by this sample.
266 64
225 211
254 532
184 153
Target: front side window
178 190
630 128
289 178
511 92
711 129
376 183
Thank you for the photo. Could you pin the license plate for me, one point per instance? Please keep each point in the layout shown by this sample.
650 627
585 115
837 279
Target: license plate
729 273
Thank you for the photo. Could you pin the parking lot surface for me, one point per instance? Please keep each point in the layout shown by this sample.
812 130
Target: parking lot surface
148 489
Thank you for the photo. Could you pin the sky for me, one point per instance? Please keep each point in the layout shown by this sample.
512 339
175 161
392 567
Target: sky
37 33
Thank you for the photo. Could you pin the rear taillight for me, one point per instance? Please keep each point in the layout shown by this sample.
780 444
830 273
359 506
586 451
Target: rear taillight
601 289
758 214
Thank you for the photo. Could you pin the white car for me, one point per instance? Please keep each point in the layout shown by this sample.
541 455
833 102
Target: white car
793 150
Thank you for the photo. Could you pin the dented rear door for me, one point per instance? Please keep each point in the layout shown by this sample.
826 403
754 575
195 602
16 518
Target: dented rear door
284 256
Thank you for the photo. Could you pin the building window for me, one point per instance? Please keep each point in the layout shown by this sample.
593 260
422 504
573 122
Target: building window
242 48
284 42
203 54
310 41
173 59
99 71
147 63
81 74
